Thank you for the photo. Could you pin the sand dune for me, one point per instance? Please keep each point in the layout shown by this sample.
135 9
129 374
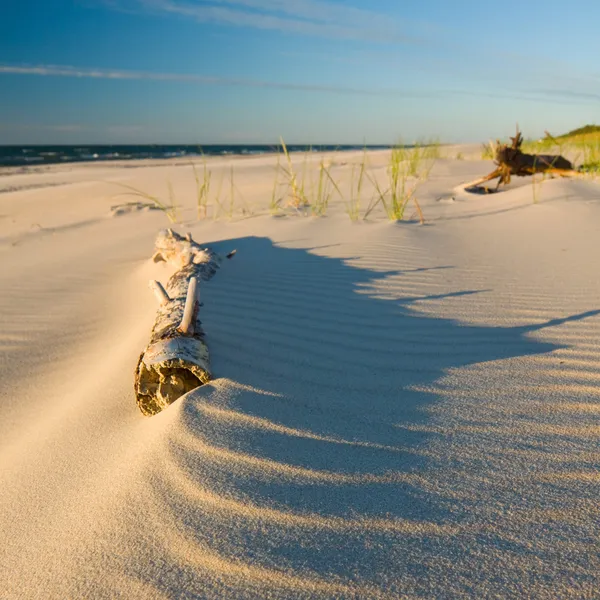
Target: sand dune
399 411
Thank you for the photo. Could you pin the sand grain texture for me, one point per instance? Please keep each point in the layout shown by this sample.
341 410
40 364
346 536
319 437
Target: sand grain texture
397 411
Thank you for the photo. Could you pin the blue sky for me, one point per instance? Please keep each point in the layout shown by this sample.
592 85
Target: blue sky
312 71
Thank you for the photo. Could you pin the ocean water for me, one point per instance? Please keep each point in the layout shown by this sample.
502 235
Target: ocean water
14 156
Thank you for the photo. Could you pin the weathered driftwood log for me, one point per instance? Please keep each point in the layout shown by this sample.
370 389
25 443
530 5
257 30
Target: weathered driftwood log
511 160
176 359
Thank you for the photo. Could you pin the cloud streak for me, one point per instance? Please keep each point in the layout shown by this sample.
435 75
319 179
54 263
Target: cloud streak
68 128
303 17
570 94
538 95
115 74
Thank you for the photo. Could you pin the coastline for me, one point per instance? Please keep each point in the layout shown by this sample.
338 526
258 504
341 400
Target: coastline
32 156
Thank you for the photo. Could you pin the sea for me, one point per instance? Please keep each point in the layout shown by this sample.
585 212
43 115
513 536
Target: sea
15 156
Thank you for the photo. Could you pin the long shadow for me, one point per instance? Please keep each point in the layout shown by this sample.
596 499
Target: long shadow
316 403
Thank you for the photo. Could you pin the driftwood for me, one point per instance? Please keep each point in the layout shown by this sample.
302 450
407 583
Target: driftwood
176 359
512 161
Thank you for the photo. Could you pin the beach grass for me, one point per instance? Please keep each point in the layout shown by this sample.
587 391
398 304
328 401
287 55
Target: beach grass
227 206
306 190
580 146
276 199
326 187
202 188
488 151
357 179
408 167
217 197
168 208
589 146
395 197
305 195
296 186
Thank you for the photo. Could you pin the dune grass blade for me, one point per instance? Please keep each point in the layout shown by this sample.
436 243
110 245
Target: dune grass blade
231 193
399 193
589 145
202 189
379 197
321 202
488 151
327 195
398 173
429 154
303 178
172 200
419 211
275 204
536 182
246 209
218 204
299 199
169 210
353 205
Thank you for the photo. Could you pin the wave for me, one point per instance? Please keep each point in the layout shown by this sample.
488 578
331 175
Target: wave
15 156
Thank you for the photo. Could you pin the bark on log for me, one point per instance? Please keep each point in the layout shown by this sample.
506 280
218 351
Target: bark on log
521 164
176 360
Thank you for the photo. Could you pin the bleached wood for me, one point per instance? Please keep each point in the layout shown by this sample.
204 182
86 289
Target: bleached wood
186 326
159 292
173 363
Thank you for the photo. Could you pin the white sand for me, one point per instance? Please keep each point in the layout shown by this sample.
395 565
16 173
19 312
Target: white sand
399 411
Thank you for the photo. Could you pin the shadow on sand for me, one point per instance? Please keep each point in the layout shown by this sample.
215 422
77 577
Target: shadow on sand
314 412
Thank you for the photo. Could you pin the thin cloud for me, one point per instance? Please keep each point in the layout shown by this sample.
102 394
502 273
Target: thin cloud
304 17
312 10
329 20
67 128
570 94
70 71
554 96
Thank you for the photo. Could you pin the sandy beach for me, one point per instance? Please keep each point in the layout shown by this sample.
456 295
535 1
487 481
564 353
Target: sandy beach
398 410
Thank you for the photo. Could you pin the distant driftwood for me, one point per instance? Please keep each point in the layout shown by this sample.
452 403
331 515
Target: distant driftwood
176 359
511 160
